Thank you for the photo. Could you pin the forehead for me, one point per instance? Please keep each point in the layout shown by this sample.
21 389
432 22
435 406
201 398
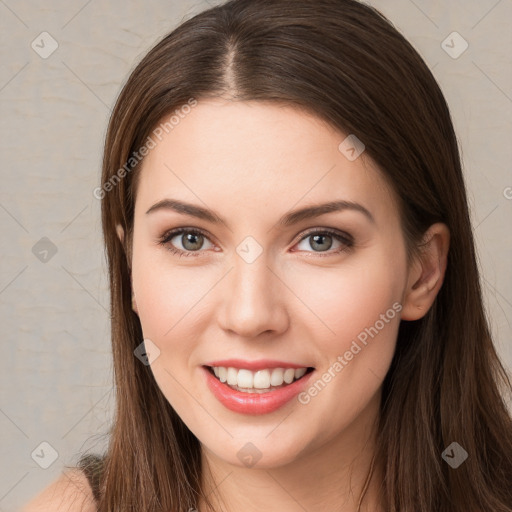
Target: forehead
256 155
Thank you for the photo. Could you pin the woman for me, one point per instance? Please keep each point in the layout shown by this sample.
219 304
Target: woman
287 229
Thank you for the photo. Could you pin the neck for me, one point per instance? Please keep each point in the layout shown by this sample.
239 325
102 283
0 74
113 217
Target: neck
342 475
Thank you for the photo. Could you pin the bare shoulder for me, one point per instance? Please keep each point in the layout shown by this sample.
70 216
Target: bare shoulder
71 492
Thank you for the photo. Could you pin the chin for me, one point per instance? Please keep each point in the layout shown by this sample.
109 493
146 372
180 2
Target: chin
261 451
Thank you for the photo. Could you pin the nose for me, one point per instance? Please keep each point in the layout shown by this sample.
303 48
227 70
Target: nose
253 300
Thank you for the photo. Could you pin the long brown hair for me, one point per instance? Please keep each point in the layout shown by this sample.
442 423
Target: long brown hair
343 61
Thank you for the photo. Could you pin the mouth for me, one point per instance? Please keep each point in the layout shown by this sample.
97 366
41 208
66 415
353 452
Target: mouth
261 381
262 390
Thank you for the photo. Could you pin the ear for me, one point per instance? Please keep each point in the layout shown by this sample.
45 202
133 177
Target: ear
426 273
120 234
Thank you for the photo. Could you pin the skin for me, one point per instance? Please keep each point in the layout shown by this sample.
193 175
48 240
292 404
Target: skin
252 162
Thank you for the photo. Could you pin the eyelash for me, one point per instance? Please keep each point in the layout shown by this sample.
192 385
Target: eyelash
346 239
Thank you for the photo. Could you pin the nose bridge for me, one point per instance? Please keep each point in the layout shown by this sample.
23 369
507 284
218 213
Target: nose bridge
251 280
252 302
251 274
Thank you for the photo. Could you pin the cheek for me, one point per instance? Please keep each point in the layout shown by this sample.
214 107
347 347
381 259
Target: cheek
360 303
168 302
174 308
165 294
351 297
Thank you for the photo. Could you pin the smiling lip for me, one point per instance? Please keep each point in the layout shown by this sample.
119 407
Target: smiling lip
261 364
253 403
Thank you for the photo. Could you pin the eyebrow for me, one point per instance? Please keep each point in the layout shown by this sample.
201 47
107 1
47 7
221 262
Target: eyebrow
288 219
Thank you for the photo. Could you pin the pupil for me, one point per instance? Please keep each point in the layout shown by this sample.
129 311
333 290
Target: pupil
189 239
317 237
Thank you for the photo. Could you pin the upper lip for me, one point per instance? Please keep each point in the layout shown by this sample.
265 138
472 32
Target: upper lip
260 364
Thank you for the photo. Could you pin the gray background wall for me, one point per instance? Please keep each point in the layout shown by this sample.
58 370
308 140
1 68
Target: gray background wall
55 373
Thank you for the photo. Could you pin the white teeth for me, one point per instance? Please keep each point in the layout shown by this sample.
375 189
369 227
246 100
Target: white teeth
277 379
232 376
299 372
261 379
244 379
289 375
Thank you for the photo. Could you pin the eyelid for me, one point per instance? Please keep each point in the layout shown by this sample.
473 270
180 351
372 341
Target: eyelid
346 237
171 233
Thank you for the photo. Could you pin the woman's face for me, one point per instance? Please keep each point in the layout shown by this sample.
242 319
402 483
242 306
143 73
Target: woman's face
265 289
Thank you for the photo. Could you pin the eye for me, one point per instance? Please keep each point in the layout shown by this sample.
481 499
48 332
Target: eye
322 241
191 240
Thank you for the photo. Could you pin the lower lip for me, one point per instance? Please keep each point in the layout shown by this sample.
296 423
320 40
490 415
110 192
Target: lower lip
254 403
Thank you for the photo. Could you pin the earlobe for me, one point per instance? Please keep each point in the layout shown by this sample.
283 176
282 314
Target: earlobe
427 273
